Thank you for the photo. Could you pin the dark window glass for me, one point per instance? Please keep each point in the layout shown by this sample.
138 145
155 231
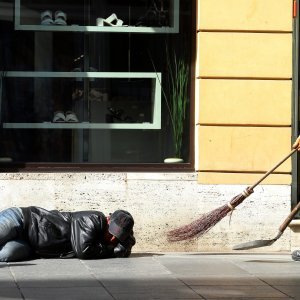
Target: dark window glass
102 82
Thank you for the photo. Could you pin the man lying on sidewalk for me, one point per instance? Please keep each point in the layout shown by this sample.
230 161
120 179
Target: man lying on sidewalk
34 232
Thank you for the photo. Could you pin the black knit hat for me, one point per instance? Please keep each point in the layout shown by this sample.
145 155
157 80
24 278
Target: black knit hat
121 224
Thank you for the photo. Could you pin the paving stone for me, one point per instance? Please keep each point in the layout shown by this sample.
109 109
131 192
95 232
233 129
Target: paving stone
221 280
169 295
237 291
292 291
57 281
169 276
153 283
10 293
200 266
50 267
7 279
255 298
73 293
281 279
268 265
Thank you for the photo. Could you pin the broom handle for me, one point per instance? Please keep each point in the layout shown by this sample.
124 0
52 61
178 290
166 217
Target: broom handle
289 218
274 168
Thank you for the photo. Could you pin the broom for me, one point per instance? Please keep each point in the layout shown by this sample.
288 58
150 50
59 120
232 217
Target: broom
207 221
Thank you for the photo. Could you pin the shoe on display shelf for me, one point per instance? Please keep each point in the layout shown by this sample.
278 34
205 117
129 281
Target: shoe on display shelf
112 20
59 117
60 18
71 117
46 18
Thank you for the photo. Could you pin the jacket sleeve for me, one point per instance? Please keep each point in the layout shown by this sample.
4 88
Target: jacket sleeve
86 237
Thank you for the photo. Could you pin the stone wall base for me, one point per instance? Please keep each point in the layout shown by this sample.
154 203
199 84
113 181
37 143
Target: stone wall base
159 202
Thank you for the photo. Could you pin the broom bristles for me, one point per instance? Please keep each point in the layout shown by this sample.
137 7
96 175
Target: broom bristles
199 226
204 223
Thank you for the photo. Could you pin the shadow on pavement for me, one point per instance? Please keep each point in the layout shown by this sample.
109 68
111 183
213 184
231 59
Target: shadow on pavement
146 254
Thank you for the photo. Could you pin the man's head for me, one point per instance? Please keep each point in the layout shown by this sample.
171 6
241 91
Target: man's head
120 224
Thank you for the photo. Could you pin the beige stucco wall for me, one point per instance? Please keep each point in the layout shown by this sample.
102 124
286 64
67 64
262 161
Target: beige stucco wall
244 111
254 15
245 102
243 90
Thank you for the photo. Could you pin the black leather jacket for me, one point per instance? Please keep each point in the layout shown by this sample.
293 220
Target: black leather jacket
66 234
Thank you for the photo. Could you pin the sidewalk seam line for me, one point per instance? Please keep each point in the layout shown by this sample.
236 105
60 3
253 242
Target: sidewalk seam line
15 281
100 282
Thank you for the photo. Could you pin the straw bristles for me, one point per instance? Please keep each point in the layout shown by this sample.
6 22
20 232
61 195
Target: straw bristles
199 226
205 222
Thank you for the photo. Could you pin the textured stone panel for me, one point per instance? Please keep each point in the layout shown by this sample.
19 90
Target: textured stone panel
258 217
158 203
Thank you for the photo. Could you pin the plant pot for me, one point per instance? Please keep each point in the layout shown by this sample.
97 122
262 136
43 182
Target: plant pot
173 160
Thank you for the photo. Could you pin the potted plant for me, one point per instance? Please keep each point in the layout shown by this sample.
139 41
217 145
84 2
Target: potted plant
177 77
177 99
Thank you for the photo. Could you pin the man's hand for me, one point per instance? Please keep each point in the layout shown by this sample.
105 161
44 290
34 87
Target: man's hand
296 145
121 251
124 249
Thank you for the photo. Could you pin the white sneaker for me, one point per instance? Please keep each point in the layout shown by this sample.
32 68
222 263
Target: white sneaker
59 117
46 18
71 117
60 18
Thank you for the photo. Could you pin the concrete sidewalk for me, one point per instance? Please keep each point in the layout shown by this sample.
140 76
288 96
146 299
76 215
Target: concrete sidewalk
154 276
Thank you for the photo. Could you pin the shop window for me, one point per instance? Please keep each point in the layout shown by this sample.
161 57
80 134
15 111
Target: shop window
95 82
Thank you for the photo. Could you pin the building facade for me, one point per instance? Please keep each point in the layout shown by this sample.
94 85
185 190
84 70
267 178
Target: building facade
242 120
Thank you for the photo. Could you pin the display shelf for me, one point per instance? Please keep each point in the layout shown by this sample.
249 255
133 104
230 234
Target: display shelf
155 101
78 28
79 125
173 28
